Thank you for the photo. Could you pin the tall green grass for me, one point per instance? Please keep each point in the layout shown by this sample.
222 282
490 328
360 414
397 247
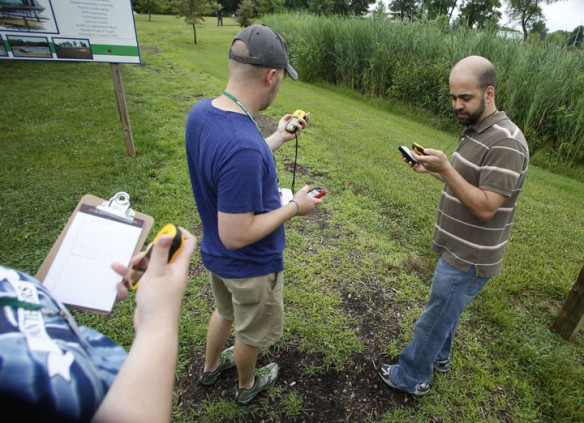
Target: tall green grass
541 87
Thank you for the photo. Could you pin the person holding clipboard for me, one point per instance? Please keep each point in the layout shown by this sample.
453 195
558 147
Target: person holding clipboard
51 369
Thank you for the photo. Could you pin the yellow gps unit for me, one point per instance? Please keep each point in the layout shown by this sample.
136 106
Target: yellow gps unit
291 125
175 247
418 149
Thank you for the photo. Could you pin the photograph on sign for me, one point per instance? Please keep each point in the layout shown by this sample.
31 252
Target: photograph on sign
72 48
29 46
29 16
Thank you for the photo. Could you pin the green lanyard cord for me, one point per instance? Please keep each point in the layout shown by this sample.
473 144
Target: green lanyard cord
13 302
242 106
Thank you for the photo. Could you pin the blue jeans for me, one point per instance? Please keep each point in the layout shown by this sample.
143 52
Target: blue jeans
452 291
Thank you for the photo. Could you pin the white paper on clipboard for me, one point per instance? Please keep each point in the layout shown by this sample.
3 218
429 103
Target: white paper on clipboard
80 274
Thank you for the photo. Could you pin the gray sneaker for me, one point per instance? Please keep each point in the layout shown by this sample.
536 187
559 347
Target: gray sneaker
226 362
442 366
419 390
264 379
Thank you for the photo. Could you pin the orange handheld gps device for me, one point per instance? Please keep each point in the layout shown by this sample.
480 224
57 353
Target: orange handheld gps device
175 247
291 125
418 149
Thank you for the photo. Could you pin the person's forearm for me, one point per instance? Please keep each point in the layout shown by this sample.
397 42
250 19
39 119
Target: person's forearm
473 198
143 389
260 226
275 141
437 176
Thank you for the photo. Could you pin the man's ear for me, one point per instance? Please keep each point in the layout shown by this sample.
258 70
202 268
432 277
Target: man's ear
272 76
490 93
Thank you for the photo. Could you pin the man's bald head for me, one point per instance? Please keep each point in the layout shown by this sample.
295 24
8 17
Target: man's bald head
478 67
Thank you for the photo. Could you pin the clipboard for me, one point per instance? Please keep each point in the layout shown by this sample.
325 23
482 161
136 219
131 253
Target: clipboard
77 269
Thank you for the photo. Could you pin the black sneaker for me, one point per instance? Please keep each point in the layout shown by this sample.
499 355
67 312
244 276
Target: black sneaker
226 362
419 390
442 366
264 379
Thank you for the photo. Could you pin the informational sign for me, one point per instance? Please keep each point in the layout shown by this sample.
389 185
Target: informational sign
68 30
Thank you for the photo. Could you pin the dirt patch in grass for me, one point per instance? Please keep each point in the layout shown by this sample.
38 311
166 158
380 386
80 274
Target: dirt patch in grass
353 394
150 48
266 124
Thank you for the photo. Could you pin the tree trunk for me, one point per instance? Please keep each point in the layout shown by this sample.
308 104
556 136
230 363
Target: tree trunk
195 33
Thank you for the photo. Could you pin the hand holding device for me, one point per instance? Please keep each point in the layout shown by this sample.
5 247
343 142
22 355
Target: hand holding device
317 192
407 154
418 149
175 247
296 116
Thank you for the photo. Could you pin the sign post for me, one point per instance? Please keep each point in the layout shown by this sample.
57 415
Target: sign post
571 316
123 108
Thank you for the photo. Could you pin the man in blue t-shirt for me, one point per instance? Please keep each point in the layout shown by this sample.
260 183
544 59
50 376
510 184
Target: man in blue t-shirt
235 184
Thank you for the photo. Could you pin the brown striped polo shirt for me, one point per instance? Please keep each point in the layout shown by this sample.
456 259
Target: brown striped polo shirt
493 156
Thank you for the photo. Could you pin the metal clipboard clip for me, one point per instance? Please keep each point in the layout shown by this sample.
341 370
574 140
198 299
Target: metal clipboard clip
119 207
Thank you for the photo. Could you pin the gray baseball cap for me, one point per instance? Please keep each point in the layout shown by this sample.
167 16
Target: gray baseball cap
266 48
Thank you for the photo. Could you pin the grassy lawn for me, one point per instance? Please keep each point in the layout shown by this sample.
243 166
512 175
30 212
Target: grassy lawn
357 271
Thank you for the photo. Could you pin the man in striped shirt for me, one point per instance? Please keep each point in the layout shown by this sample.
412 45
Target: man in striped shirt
482 182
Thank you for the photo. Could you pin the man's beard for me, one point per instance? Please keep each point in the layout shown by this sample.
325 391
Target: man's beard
474 117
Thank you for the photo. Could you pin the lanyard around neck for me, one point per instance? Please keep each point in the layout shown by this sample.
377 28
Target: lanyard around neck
242 106
13 302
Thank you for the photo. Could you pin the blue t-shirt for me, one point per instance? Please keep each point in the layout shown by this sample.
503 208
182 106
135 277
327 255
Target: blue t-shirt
50 368
232 170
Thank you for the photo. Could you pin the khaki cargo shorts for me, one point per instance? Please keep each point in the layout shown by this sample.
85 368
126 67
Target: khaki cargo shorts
256 305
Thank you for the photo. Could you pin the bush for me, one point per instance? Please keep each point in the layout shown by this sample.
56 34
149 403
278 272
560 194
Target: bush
246 13
428 90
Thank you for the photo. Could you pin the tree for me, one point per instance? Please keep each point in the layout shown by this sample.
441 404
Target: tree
359 7
296 4
557 37
405 9
538 30
379 11
480 13
576 38
265 7
321 7
194 11
147 6
246 12
229 5
527 13
339 7
435 8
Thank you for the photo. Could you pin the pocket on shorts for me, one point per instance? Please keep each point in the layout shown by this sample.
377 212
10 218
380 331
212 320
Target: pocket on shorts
274 280
246 292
